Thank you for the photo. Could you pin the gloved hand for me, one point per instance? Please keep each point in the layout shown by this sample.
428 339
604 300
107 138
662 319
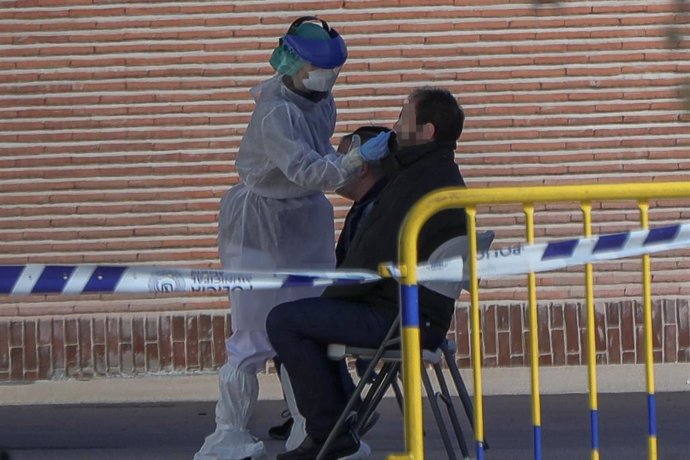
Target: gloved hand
372 150
375 148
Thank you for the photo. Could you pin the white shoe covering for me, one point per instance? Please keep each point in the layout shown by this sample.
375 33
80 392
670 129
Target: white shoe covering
298 432
239 392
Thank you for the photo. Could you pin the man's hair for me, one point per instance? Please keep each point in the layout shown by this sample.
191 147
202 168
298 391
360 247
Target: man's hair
366 132
440 108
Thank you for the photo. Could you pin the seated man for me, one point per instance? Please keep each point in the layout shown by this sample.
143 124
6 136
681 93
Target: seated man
428 128
362 188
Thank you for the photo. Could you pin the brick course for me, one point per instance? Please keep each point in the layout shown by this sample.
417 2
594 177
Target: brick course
190 342
119 124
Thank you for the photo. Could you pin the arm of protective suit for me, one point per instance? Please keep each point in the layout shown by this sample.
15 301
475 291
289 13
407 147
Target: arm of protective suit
286 141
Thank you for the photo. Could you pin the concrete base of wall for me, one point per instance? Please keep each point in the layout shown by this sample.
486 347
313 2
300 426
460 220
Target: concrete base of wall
203 387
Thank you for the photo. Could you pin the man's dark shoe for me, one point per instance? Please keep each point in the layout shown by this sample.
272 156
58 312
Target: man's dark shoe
281 432
342 446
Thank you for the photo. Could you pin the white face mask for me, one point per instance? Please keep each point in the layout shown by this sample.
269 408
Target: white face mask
321 80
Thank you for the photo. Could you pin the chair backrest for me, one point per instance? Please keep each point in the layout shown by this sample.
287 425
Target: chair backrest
455 248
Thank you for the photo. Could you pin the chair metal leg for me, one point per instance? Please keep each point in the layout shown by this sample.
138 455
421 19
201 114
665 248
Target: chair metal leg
388 374
398 394
431 396
448 355
450 407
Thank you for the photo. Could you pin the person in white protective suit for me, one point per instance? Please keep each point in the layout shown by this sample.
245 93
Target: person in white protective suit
278 218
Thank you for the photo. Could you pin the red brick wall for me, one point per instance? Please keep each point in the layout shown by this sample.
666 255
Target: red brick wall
119 122
117 345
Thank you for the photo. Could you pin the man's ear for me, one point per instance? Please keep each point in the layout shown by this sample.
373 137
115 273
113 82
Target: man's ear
428 131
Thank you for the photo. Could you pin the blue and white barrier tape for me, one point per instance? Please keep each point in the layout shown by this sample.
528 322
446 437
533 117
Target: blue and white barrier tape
83 279
78 279
521 259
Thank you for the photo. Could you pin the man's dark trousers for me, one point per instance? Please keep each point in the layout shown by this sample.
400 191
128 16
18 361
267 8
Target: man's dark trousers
300 332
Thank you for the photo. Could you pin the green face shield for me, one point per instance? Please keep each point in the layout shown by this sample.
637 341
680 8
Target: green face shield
285 62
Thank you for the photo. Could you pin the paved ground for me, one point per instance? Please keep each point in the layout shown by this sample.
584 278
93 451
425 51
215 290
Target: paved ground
168 417
174 430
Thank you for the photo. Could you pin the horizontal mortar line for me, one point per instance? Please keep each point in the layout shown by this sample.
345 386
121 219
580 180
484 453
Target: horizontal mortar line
110 68
543 222
281 14
572 139
100 168
120 141
532 165
465 166
353 48
144 154
113 239
206 127
116 154
81 58
466 31
132 129
346 72
80 234
641 74
188 3
203 239
150 251
99 228
191 103
343 99
666 175
537 116
124 116
134 191
402 85
9 145
77 194
253 64
459 155
160 127
106 204
539 180
373 36
111 215
140 81
126 179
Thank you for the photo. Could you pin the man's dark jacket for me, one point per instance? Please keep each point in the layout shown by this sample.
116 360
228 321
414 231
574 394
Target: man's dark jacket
413 172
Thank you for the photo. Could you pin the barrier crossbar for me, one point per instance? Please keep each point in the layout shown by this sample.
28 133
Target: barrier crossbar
469 199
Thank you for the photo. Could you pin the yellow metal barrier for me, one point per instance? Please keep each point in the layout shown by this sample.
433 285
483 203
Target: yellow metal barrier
526 196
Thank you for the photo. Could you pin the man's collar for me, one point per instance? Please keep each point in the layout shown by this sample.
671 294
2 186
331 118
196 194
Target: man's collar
374 191
405 156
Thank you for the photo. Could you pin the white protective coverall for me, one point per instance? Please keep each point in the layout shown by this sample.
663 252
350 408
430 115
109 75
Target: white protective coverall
276 218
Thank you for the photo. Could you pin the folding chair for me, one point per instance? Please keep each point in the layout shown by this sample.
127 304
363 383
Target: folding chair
391 360
390 357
